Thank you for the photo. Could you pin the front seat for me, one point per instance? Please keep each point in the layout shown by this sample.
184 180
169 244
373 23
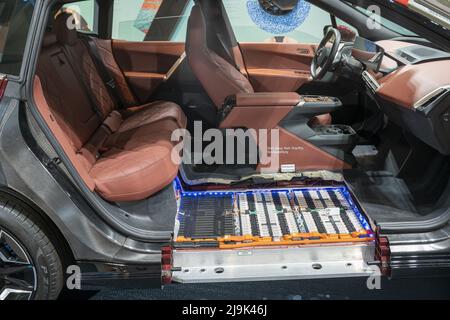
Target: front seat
219 74
219 77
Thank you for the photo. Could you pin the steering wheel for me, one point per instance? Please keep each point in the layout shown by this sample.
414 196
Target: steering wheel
326 54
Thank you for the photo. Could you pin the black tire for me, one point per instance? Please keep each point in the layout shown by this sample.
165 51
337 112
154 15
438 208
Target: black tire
32 236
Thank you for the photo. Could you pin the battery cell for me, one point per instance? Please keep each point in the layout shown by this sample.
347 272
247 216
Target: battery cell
271 214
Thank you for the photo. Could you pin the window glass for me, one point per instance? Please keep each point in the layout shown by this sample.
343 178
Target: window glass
15 19
387 23
85 13
249 25
146 20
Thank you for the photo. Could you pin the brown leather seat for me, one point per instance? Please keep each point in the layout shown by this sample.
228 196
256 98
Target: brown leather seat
122 155
221 75
78 53
137 163
218 76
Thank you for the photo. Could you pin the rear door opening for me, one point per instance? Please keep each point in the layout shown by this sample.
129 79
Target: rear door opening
270 234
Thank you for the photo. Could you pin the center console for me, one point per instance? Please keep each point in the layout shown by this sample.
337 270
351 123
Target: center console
338 140
303 145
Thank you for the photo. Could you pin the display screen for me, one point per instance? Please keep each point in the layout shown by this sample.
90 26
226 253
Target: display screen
368 53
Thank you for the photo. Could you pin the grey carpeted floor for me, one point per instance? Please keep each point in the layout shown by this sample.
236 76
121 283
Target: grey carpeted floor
341 289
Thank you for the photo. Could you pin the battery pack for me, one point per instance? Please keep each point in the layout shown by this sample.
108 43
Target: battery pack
270 217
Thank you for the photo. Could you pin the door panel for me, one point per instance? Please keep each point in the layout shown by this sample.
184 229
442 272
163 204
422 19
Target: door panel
278 67
146 64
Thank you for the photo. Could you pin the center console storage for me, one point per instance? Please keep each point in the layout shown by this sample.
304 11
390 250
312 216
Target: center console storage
311 101
340 136
339 140
334 130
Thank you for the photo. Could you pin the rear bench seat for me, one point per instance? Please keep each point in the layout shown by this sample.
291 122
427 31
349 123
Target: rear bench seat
122 155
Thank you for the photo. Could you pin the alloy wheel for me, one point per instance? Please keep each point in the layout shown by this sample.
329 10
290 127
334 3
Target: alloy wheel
17 272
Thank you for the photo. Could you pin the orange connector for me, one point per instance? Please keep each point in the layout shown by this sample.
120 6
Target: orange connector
234 242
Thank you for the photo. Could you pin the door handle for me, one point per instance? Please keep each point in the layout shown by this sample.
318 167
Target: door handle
302 51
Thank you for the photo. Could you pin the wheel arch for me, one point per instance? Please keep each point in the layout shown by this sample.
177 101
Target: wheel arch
51 229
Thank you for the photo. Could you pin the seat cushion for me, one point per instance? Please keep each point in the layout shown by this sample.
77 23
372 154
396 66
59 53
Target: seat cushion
138 163
150 133
134 174
150 113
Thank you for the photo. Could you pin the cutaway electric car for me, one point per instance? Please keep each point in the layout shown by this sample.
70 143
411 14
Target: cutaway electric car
335 118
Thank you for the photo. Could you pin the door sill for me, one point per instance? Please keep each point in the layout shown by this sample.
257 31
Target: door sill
263 264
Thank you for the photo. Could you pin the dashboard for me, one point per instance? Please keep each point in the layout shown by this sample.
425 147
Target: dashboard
412 72
413 90
409 85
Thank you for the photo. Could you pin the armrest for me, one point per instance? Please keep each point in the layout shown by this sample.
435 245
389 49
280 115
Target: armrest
257 110
267 110
273 99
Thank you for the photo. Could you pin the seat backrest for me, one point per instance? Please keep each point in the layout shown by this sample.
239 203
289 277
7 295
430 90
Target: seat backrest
67 83
66 97
219 77
105 52
79 57
220 35
65 107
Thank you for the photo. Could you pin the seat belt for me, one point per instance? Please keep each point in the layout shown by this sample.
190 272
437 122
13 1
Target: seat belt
232 37
86 87
228 52
104 73
231 56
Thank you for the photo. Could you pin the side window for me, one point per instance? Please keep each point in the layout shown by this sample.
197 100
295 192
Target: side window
15 19
305 24
85 14
151 20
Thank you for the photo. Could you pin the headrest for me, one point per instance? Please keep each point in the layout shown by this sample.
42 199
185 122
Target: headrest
196 13
65 30
197 25
195 35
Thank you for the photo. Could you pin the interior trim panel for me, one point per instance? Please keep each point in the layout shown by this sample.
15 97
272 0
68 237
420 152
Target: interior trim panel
278 67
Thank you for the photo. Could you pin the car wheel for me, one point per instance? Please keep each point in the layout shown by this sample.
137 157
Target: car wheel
30 267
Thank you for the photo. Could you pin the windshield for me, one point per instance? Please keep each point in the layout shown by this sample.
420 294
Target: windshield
437 11
385 22
439 6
